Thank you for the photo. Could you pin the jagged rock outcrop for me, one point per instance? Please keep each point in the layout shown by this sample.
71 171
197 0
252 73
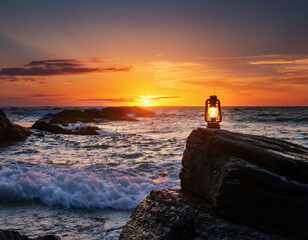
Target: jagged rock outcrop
175 215
13 235
242 186
54 128
253 180
59 122
10 131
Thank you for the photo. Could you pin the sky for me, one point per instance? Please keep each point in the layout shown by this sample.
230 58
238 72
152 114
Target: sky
153 52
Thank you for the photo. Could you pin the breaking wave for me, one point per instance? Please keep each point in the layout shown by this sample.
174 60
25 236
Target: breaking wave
75 188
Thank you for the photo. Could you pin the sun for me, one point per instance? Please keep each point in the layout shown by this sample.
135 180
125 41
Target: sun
146 102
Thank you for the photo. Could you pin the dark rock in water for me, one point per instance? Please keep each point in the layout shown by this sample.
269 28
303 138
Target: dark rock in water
175 215
52 122
95 115
10 131
13 235
45 126
254 180
48 237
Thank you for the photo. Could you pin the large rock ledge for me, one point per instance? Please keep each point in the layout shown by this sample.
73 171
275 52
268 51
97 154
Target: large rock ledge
13 235
11 132
250 180
176 215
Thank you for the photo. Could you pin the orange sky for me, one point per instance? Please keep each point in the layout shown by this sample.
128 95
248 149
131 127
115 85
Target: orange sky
251 81
167 54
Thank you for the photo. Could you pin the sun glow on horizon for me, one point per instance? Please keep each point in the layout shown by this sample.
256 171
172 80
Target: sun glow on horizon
146 102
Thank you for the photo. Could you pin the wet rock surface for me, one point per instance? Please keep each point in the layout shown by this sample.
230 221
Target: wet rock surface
45 126
233 186
253 180
11 132
176 215
57 123
13 235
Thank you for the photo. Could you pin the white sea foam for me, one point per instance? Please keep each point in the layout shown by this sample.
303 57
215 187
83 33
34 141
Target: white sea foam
76 126
132 115
75 188
79 125
102 132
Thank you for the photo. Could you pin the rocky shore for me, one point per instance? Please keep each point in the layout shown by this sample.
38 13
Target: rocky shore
10 132
233 186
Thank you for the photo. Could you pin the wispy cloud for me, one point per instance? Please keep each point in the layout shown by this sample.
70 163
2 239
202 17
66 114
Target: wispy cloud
240 76
281 61
115 69
132 99
163 97
40 71
97 60
15 80
107 100
38 95
55 63
57 67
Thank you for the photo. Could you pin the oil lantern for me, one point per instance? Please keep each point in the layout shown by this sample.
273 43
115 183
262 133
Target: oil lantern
213 112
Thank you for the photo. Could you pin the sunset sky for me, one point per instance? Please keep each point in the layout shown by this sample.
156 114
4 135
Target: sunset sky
159 52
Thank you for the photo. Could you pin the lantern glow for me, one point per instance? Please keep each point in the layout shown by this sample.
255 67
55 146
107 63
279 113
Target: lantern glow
213 112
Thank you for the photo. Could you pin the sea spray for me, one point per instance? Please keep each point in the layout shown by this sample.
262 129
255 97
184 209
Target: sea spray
75 188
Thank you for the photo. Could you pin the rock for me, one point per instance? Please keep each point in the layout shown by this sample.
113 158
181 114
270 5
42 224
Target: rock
10 131
253 180
176 215
48 237
13 235
45 126
58 122
95 115
233 186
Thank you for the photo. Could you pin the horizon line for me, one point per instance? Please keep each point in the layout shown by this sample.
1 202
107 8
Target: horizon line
68 106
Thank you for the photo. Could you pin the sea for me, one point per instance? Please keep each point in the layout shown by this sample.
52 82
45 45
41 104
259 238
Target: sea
85 187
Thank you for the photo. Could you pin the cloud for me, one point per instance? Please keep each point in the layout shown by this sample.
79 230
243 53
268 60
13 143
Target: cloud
38 95
41 71
281 61
132 99
108 100
240 76
163 97
48 97
15 80
55 62
292 80
97 60
115 69
289 70
57 67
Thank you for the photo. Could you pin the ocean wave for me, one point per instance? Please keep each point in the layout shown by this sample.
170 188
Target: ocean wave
79 126
75 188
